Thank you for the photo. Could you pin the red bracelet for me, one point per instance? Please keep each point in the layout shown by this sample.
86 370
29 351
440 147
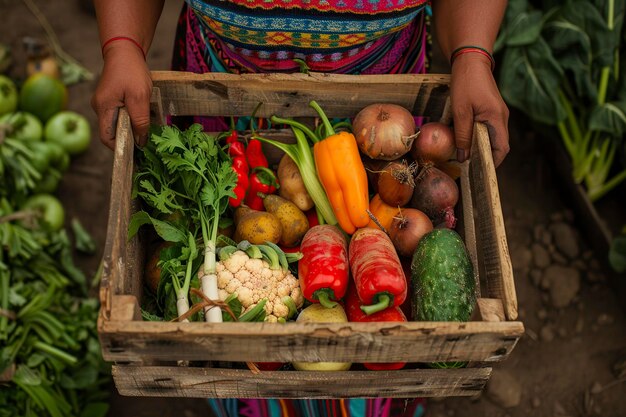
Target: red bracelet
472 49
123 38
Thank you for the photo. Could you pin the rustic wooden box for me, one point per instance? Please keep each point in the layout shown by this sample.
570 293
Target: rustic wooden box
146 353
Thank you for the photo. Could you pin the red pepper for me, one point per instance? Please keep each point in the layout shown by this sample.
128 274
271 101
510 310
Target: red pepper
240 166
254 153
323 270
355 314
237 148
262 182
377 271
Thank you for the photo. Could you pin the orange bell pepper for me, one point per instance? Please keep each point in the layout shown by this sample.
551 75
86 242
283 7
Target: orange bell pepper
342 174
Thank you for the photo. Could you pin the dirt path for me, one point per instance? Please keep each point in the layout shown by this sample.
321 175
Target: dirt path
562 367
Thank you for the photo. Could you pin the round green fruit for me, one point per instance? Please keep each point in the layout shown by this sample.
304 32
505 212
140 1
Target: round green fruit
43 96
70 130
51 209
22 126
8 95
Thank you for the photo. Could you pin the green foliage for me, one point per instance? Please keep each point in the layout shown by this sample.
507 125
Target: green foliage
617 253
47 326
185 173
561 66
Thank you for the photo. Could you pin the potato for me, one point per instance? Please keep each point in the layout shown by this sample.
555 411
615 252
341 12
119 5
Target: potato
291 184
257 227
294 222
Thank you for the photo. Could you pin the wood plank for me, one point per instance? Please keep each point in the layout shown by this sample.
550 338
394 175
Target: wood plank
114 259
340 342
125 308
469 228
155 381
489 309
288 95
498 270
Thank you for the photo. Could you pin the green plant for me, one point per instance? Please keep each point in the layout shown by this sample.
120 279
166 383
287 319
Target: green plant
617 253
561 65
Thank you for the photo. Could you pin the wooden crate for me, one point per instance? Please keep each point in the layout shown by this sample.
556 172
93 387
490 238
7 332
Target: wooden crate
146 353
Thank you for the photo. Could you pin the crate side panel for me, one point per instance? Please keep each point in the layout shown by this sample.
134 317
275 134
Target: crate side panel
115 279
339 342
496 268
288 95
155 381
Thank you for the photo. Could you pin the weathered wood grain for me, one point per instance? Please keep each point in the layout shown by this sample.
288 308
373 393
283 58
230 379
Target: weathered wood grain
288 95
497 267
155 381
115 270
340 342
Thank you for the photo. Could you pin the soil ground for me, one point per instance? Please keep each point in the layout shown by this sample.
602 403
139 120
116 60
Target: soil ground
564 365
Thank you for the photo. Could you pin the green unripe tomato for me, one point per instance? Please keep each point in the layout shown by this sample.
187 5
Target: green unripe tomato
22 126
8 95
70 130
52 212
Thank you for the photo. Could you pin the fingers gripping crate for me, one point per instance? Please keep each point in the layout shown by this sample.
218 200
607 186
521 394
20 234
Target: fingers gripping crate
146 353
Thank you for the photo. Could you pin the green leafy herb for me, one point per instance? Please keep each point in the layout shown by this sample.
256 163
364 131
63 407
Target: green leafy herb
84 241
188 173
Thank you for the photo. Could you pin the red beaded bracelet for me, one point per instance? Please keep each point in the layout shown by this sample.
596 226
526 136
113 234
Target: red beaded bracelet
472 49
123 38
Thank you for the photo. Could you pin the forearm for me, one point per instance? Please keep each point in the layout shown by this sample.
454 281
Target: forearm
136 19
467 22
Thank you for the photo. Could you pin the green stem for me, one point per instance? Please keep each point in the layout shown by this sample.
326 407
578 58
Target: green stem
604 83
292 123
253 313
323 296
4 302
329 127
571 118
381 302
59 354
567 140
288 301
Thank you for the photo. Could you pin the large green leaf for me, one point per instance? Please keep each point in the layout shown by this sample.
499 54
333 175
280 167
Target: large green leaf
530 79
571 46
617 254
609 117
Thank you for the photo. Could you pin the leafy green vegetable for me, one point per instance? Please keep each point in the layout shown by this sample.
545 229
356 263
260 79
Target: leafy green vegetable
617 254
84 241
47 326
561 66
183 172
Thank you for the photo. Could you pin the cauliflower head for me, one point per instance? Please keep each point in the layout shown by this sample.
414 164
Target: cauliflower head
253 280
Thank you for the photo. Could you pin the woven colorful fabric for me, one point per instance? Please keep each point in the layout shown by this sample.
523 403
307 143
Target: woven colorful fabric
340 36
358 407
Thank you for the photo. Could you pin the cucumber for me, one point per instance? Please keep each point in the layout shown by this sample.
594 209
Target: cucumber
442 278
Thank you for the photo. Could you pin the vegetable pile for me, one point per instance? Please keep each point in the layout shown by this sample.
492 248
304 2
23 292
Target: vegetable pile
321 233
50 357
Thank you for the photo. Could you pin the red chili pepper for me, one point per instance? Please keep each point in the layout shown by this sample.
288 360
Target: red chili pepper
237 148
323 270
380 281
254 153
240 166
262 182
311 215
355 314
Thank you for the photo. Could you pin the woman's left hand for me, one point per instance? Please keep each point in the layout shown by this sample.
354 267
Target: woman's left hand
475 97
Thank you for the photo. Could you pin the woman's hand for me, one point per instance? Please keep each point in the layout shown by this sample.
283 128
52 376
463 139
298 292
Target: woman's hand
125 81
475 98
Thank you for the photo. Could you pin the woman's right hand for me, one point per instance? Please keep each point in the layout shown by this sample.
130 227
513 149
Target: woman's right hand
125 82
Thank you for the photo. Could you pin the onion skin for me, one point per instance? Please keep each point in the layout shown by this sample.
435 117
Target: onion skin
436 194
373 168
434 143
384 131
407 229
396 183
